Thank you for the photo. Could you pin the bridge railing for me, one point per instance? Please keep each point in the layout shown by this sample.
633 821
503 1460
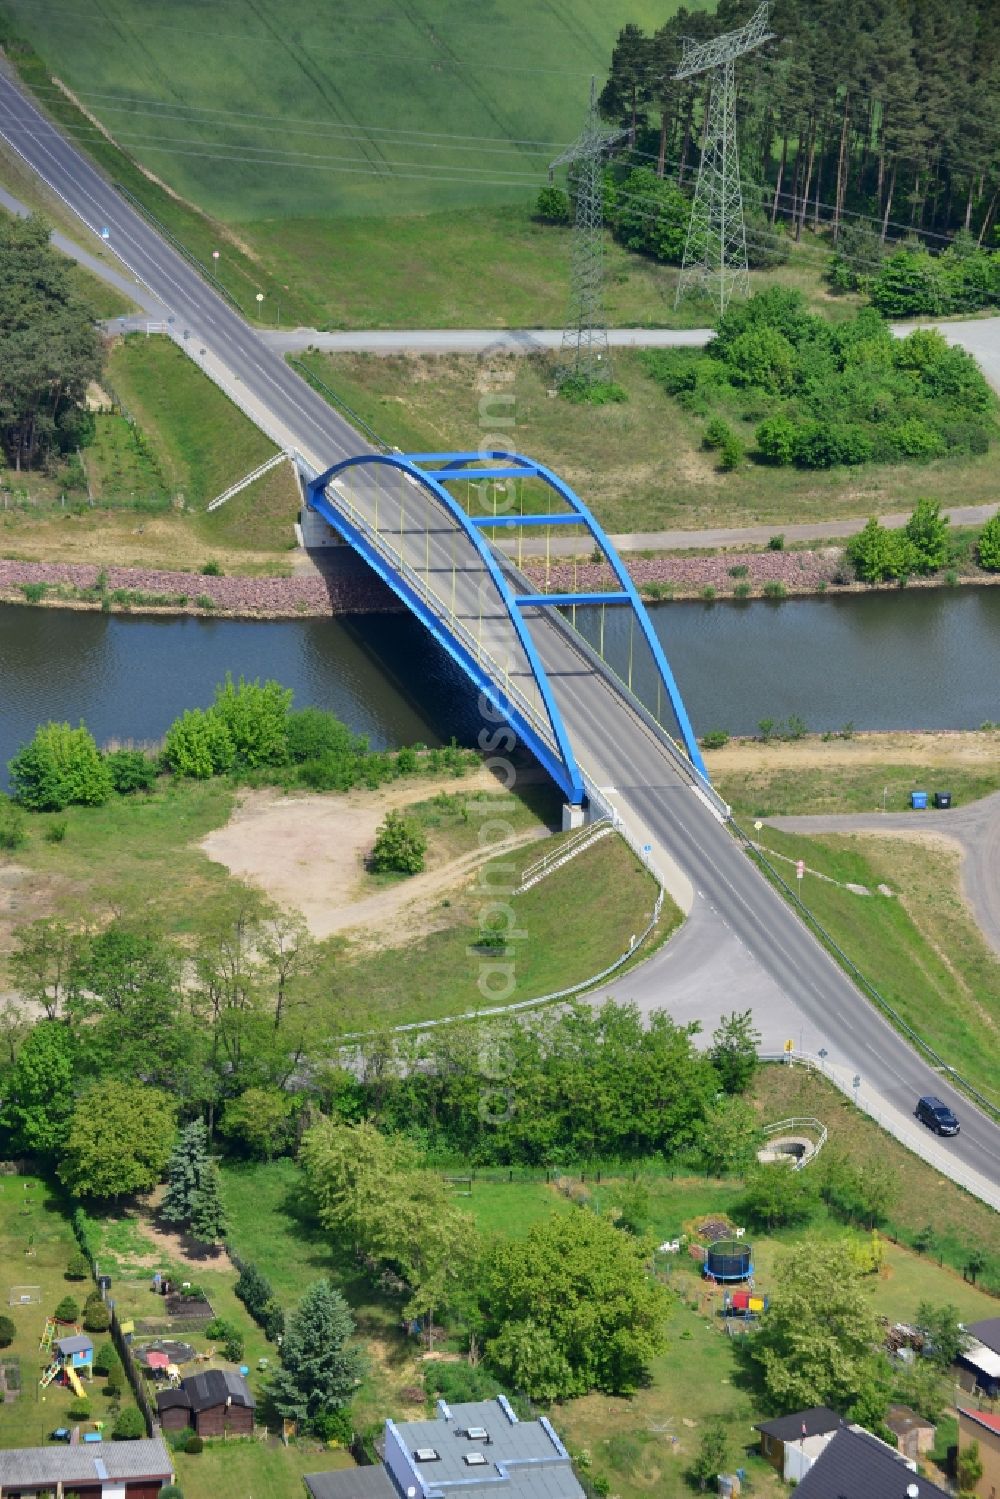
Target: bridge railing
339 496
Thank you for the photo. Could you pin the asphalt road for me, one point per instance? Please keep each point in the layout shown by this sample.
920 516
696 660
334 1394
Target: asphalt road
730 901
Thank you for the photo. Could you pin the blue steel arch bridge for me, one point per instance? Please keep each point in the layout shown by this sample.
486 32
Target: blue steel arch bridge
448 533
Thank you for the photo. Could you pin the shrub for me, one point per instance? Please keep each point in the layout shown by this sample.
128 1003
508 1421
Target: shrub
927 532
336 1426
650 214
68 1310
776 543
171 1491
272 1320
742 590
205 601
458 1383
312 733
775 439
60 766
34 592
131 770
220 1328
79 1409
12 834
106 1358
96 1317
194 1445
714 739
730 454
708 592
129 1425
988 545
775 590
400 845
7 1332
739 571
56 831
253 1289
552 206
78 1267
198 744
232 1346
211 569
255 717
716 433
581 391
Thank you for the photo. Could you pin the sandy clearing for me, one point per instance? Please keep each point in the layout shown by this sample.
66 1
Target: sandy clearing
308 852
905 748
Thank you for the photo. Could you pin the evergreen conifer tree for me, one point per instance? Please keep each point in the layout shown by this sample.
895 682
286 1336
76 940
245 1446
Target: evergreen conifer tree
208 1217
186 1171
319 1372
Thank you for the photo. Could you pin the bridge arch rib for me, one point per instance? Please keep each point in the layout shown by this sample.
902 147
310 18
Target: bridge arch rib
548 739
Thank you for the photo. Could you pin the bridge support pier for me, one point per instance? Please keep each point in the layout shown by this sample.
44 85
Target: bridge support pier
573 817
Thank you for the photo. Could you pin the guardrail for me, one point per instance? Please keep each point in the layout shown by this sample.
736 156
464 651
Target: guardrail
920 1142
557 857
331 395
865 985
799 1122
178 245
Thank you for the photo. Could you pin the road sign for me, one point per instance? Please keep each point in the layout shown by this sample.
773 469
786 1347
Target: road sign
647 848
789 1045
800 868
757 825
105 233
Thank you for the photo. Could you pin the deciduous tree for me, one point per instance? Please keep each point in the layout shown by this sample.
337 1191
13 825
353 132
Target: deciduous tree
119 1140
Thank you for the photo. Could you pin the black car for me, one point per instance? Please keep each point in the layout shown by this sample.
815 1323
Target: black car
937 1116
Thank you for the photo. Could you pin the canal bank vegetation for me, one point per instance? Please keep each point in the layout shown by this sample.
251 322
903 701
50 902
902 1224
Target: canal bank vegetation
160 442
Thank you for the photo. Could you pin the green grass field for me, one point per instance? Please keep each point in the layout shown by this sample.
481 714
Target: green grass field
640 464
857 788
282 108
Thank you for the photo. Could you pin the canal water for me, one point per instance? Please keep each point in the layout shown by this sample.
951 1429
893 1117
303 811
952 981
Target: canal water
918 659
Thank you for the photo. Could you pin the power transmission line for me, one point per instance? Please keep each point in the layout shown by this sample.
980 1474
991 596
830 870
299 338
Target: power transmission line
585 338
715 254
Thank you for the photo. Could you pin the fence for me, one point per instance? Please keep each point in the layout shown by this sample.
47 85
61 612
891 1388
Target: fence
133 1373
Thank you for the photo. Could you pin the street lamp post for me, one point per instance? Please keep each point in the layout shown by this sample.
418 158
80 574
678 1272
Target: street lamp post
260 298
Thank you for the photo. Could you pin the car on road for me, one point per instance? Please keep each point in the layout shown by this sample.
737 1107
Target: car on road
937 1116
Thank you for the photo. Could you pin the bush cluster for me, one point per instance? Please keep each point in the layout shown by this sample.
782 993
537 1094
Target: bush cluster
825 394
249 731
922 546
913 282
254 1290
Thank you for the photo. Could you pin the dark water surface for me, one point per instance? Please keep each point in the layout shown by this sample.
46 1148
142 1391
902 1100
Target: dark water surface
927 659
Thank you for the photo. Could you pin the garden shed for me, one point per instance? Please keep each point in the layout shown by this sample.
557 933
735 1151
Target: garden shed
215 1403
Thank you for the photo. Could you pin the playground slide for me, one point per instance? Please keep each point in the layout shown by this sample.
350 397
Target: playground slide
74 1380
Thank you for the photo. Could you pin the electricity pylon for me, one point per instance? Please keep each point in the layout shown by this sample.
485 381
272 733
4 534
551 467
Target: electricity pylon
715 254
585 339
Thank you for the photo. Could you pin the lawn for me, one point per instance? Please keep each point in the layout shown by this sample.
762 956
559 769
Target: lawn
920 947
239 1470
639 464
135 854
574 924
36 1243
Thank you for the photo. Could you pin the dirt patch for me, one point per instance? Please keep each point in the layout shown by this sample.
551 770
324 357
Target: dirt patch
176 1248
941 748
308 852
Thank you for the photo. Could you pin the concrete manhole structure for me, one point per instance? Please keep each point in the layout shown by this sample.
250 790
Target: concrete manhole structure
796 1141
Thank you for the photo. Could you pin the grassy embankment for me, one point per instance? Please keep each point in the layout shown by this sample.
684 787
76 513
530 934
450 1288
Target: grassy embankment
151 482
640 465
921 948
140 855
387 200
